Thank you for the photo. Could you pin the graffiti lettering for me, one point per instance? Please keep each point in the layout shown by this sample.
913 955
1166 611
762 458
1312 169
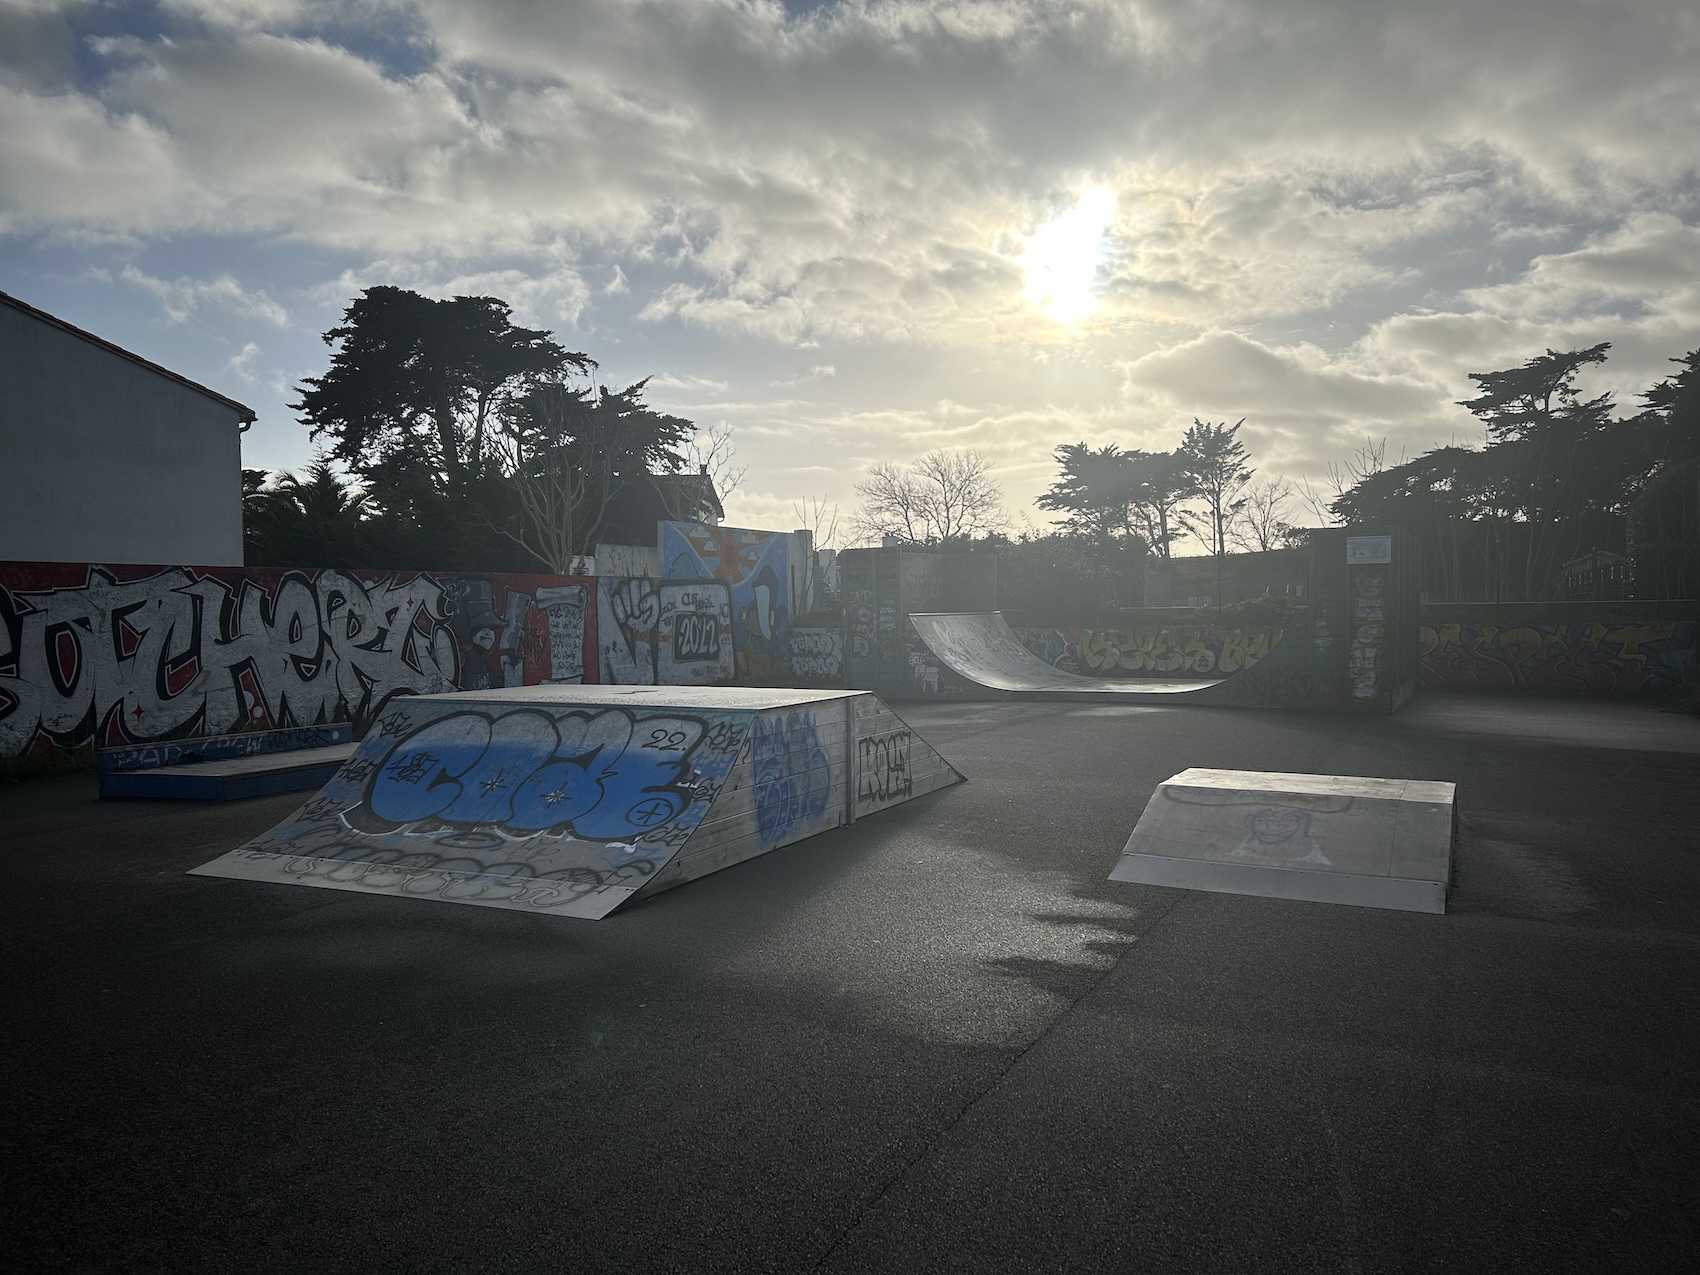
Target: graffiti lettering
1369 634
792 775
528 772
1654 655
1147 652
883 767
817 655
187 652
696 636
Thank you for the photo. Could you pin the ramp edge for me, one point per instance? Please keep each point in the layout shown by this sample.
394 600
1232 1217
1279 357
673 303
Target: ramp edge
1394 893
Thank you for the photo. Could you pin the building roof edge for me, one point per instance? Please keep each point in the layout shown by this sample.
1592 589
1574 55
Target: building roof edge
243 411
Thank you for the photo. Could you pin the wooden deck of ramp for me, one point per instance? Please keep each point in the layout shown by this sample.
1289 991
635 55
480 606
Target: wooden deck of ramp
571 800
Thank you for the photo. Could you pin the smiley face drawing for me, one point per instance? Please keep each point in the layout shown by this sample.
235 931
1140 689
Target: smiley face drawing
1280 835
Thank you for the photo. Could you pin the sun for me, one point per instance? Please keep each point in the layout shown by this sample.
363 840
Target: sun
1061 258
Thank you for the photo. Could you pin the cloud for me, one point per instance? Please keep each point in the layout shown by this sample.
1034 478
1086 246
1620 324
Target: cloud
183 297
1325 214
820 372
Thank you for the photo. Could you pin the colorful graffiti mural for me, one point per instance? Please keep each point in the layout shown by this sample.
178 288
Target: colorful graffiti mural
1647 655
128 655
756 566
1151 652
666 633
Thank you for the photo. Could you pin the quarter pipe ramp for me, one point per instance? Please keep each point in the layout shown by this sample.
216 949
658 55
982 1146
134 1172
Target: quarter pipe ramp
571 800
982 649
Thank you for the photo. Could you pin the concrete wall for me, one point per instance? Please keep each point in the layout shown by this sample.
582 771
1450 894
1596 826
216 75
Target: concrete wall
110 655
108 461
756 566
1601 647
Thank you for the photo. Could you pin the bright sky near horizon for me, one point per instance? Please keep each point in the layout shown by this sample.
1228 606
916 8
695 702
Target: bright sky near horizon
859 231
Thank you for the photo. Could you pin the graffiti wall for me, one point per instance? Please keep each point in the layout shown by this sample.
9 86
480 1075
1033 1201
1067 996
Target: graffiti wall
114 656
1151 652
755 565
817 655
664 632
1651 655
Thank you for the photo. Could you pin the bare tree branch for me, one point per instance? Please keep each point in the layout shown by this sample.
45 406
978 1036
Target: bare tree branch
943 496
712 452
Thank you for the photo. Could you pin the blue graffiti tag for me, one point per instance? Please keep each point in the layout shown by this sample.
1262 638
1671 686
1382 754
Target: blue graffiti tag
793 777
601 777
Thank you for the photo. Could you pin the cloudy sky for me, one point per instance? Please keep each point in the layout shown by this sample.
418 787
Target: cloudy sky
859 231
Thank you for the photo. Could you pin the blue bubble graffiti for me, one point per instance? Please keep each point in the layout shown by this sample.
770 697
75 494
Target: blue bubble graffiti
602 777
793 776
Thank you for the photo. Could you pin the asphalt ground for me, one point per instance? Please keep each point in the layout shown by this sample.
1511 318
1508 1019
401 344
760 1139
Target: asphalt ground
937 1040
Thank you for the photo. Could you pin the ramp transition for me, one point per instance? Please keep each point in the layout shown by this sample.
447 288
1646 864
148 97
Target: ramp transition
571 800
981 648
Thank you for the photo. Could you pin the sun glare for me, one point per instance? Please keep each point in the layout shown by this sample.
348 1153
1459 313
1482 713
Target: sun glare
1061 258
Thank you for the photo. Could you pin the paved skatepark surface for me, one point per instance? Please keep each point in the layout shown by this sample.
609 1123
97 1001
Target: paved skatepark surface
940 1040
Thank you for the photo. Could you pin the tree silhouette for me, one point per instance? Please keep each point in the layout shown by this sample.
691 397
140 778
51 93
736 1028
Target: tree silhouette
1095 490
1213 456
943 497
416 384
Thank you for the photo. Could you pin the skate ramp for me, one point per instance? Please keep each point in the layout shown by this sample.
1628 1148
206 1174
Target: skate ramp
1383 843
981 648
571 800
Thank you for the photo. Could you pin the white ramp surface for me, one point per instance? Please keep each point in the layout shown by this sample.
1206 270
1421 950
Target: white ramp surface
1384 843
570 800
982 648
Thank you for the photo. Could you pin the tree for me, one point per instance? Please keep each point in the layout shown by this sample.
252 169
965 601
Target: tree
567 452
1261 524
1675 403
1215 459
1095 491
1162 484
417 384
712 452
816 516
288 521
944 496
1366 461
1557 463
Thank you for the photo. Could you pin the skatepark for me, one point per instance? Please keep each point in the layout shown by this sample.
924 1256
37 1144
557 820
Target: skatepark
938 1038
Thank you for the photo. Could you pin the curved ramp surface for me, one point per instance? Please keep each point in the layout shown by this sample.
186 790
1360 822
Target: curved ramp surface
982 648
570 800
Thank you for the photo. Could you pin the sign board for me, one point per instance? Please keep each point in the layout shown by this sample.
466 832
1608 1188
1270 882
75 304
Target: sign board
1361 550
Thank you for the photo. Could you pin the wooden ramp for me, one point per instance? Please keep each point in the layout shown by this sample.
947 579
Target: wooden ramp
571 800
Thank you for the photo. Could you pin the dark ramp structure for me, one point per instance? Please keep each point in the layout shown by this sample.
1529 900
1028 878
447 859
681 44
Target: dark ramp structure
571 800
1353 647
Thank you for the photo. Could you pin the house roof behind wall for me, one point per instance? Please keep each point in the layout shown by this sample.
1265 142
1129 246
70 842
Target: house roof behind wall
243 412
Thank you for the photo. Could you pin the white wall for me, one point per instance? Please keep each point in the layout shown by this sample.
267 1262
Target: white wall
107 461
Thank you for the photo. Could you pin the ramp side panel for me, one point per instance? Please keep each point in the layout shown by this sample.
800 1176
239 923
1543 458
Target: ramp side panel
893 763
370 876
790 782
461 798
1279 883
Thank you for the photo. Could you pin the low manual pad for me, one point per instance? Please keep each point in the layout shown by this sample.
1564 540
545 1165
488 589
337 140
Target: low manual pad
1384 843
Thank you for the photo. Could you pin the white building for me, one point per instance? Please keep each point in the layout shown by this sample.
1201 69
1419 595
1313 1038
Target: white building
107 457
